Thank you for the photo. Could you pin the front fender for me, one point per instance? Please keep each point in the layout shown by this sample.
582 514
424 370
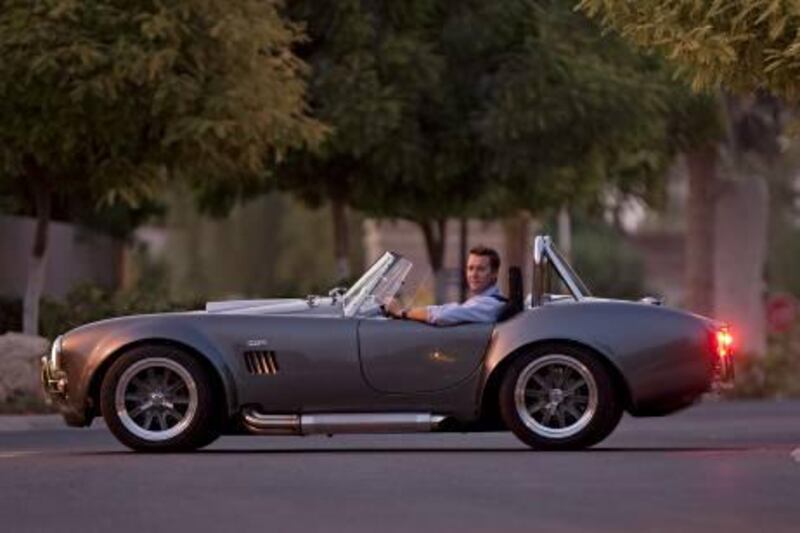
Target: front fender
92 349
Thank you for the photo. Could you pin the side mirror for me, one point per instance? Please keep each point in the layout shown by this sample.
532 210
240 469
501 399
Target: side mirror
337 292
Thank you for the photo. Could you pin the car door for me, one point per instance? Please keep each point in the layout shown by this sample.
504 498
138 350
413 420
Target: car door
403 356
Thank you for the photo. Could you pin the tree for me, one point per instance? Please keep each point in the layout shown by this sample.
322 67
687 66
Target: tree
534 107
742 45
749 48
570 111
444 108
111 99
369 60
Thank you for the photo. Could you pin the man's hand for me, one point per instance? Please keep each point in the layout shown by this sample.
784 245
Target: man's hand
393 308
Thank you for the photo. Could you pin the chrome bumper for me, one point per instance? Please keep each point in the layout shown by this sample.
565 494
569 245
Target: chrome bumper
54 382
56 387
54 379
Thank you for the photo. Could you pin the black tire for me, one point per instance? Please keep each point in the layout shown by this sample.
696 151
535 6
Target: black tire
531 396
181 417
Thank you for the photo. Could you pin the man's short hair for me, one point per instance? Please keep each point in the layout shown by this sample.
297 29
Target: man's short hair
485 251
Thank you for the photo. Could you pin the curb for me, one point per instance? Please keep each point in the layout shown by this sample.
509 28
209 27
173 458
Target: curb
10 423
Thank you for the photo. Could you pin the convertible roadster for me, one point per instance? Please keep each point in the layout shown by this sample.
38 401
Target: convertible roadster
558 368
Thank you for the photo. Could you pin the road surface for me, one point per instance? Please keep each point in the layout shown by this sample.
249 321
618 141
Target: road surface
720 466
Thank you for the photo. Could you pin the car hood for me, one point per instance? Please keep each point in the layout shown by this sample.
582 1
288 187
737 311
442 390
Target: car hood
311 305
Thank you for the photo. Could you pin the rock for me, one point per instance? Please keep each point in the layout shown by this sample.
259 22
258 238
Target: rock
19 365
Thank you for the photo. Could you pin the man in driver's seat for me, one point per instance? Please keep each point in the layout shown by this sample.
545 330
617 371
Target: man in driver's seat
483 305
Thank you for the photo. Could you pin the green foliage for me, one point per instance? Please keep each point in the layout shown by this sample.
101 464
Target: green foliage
504 105
609 266
270 246
118 220
784 231
744 45
109 99
784 253
607 263
775 375
565 105
371 63
89 303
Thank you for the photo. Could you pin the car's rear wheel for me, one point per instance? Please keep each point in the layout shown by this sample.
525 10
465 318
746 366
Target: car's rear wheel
159 399
559 397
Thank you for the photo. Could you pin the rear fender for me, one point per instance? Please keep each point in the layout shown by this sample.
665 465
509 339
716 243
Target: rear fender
656 352
497 362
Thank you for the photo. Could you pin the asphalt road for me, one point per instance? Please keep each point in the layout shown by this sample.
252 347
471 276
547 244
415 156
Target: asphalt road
716 467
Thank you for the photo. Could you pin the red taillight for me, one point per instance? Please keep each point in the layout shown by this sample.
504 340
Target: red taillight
724 343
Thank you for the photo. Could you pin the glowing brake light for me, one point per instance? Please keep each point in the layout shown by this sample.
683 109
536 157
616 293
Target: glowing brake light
724 343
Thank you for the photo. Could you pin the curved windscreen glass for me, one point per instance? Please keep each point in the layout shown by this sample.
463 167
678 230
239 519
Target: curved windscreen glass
378 285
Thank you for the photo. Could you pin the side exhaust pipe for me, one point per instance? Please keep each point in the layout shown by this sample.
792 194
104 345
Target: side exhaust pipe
331 423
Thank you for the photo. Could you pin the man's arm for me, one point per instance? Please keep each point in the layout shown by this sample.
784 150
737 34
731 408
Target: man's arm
478 309
420 314
395 310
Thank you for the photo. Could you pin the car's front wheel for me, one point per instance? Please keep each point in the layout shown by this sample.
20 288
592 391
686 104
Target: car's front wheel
160 399
559 397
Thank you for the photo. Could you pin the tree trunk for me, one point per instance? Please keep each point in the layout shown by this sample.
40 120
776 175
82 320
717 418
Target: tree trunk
515 234
435 233
462 255
518 244
565 232
741 250
37 270
754 125
341 238
699 270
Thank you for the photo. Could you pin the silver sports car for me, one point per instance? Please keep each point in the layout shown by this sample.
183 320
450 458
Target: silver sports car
557 369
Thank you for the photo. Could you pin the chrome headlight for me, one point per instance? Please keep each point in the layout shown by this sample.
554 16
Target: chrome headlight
55 354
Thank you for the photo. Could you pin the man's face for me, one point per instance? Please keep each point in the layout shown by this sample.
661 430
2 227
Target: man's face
479 273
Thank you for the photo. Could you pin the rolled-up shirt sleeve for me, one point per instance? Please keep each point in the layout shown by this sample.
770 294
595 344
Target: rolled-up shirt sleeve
476 309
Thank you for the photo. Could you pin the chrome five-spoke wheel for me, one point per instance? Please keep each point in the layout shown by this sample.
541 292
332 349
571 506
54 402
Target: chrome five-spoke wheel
559 397
159 398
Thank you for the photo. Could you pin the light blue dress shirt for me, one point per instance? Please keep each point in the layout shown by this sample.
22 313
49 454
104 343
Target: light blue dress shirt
483 307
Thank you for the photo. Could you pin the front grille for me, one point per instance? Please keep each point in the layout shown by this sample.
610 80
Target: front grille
261 362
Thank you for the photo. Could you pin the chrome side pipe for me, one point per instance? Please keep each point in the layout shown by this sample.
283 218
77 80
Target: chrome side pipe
271 424
331 423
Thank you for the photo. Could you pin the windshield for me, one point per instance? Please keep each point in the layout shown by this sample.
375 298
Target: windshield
378 285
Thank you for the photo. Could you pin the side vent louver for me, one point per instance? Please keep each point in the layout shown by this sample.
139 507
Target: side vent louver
261 362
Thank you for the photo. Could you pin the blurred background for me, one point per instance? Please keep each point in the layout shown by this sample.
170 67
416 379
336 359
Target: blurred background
157 155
